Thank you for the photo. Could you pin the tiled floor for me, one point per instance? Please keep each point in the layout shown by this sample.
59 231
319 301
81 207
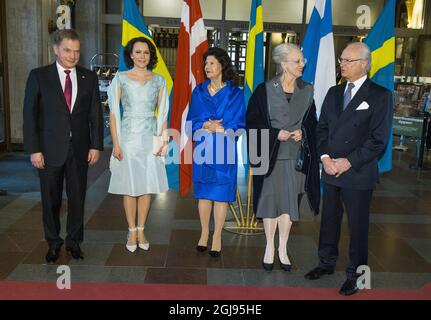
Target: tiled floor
399 239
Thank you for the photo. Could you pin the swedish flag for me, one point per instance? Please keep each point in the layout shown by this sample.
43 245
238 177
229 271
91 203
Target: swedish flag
381 40
133 27
253 64
254 56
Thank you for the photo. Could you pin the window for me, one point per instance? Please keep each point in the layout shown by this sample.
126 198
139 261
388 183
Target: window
237 51
281 11
211 9
405 56
346 13
410 14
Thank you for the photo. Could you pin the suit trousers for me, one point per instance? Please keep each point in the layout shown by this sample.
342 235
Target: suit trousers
357 204
51 185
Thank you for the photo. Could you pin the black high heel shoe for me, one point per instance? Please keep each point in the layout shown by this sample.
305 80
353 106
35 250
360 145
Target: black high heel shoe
201 248
267 266
214 253
285 267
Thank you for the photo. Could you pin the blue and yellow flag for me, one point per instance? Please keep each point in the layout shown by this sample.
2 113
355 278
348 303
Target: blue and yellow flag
254 57
133 27
381 40
254 65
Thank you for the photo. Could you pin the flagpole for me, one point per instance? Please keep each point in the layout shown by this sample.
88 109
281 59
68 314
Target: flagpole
304 21
254 76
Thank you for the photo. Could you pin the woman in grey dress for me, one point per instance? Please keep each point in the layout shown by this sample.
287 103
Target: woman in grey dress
285 107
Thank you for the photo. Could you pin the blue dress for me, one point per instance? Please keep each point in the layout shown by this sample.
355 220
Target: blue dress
140 172
215 160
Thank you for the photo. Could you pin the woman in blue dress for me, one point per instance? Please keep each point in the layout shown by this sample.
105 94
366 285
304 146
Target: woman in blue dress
139 136
217 111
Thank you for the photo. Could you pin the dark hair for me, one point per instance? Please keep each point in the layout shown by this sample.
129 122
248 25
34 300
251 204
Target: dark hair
129 49
228 71
60 35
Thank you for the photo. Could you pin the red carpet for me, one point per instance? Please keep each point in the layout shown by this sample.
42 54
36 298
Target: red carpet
13 290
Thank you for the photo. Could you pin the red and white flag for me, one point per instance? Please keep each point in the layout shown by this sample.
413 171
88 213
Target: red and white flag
192 44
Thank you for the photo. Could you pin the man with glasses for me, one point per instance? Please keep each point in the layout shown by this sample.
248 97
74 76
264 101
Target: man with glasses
352 132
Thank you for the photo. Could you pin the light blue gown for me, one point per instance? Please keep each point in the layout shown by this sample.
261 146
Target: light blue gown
140 172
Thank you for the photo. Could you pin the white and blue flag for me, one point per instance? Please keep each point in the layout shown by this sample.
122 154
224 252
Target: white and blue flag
318 49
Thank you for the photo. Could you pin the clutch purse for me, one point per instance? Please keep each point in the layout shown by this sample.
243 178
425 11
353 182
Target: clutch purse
157 144
300 158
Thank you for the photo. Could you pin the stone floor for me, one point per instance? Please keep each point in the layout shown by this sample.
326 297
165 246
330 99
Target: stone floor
399 239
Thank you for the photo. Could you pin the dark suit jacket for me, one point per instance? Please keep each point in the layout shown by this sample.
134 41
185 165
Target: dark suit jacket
257 118
358 135
48 122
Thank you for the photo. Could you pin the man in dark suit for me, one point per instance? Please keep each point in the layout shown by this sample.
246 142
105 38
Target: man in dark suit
63 133
353 129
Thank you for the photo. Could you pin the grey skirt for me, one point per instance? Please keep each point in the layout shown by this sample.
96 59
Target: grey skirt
283 192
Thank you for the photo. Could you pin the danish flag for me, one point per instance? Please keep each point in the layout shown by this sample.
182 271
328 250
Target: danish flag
192 44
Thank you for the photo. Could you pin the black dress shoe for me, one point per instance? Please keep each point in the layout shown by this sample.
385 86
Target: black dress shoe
317 272
285 267
349 287
201 248
267 266
52 254
76 252
214 253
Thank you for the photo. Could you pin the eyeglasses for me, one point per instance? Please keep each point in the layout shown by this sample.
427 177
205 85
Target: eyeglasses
303 61
341 60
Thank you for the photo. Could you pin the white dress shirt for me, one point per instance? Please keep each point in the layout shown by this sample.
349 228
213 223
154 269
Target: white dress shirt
73 77
358 84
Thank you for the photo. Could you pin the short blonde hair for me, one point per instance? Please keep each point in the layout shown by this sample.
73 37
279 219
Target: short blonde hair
281 54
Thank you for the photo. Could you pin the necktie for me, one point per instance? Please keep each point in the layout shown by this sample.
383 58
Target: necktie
68 90
348 95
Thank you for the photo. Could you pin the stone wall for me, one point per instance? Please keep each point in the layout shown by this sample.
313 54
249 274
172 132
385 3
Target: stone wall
30 45
24 44
87 20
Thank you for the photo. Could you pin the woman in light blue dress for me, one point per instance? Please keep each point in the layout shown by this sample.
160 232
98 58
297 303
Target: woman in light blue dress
139 136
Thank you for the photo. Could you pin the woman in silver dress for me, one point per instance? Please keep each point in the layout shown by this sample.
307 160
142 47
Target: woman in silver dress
137 163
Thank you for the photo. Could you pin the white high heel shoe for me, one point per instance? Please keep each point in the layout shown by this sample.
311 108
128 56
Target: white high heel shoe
144 246
131 248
